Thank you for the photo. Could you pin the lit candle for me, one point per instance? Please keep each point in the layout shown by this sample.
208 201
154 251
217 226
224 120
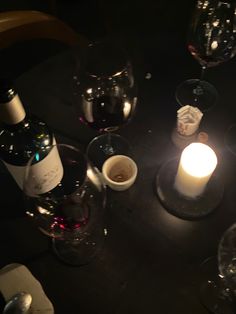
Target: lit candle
197 163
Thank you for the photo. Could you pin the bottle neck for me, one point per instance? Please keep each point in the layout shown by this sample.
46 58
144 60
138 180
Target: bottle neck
12 112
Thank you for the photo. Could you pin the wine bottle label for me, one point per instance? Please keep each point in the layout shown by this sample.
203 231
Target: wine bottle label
43 176
12 112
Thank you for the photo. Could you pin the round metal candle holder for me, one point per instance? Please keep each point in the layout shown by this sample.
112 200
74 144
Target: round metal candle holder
181 206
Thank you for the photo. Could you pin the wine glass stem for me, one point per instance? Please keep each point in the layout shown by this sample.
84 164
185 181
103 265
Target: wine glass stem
203 70
109 139
108 149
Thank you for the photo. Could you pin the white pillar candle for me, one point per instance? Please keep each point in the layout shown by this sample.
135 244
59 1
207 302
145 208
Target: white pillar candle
197 163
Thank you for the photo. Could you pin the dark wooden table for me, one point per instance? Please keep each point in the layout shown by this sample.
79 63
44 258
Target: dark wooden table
151 259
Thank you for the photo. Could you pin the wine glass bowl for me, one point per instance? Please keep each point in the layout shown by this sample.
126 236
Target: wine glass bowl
227 258
211 41
67 204
212 33
218 293
105 97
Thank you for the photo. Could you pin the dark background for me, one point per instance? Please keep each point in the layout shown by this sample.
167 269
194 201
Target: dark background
147 28
94 18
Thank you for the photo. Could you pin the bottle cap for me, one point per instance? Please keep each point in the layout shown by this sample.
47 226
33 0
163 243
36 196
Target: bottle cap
11 108
7 91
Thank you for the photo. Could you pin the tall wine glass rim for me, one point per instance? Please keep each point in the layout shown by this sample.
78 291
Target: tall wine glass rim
224 235
111 49
107 41
77 150
226 231
118 73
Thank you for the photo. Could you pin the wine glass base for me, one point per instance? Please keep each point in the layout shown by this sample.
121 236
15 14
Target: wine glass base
197 93
214 296
176 203
104 146
77 252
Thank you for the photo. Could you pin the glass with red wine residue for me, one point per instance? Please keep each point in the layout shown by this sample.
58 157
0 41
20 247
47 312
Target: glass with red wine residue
65 196
105 98
211 41
218 286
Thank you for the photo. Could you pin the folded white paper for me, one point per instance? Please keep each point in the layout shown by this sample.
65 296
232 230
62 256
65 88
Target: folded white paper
16 278
188 120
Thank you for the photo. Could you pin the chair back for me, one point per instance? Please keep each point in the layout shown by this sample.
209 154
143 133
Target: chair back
19 28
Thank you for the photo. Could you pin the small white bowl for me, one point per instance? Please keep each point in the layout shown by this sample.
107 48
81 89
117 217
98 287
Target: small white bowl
119 172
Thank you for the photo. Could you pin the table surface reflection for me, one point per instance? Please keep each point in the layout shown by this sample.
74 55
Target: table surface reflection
151 259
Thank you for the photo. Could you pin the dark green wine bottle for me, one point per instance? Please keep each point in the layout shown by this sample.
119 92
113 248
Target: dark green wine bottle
22 136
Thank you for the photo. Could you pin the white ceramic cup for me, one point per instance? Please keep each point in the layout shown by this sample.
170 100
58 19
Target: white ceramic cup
119 172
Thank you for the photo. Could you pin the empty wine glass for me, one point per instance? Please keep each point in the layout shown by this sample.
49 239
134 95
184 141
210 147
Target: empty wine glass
211 41
218 294
66 198
105 98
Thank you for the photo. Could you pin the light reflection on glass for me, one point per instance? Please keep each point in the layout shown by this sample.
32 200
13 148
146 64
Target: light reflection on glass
126 109
43 211
89 91
214 45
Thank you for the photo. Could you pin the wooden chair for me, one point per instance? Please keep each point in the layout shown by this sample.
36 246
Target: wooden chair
19 28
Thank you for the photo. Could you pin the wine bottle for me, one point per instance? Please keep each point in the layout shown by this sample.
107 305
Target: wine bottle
21 137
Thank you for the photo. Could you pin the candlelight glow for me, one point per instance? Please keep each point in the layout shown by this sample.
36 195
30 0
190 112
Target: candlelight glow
198 160
197 163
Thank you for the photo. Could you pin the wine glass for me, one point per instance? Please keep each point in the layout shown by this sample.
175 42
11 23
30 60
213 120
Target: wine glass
218 294
105 98
211 41
66 198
